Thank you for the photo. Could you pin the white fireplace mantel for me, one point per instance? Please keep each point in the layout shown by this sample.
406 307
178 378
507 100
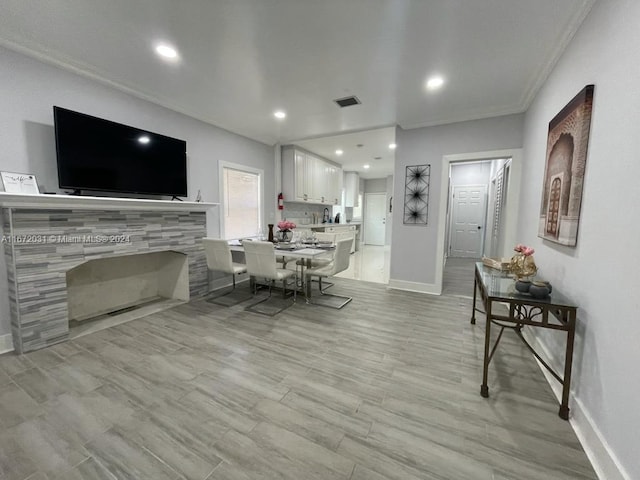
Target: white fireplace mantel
80 202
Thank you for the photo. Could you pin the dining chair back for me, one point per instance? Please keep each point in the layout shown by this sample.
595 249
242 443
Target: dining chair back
219 258
261 263
339 264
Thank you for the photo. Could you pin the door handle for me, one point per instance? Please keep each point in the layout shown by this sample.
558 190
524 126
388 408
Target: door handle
479 227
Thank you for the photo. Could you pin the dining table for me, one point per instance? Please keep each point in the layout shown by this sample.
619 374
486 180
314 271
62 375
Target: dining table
294 251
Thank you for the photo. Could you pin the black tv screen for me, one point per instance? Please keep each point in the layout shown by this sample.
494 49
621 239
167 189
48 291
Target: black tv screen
97 154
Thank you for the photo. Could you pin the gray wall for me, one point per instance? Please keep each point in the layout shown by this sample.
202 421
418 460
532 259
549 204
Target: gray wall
29 89
413 248
599 273
375 185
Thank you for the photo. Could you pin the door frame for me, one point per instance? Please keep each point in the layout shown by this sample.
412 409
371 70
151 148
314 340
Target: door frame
483 221
384 216
511 203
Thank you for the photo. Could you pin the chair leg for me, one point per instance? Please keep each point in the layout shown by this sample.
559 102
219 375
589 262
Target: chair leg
295 286
233 276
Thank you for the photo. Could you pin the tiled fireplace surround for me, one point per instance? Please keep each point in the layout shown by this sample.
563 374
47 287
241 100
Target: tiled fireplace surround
43 242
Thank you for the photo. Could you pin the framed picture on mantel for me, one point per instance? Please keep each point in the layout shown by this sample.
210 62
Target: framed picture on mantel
566 160
19 183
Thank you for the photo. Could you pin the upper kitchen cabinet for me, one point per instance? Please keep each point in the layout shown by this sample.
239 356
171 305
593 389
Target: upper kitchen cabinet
351 189
308 178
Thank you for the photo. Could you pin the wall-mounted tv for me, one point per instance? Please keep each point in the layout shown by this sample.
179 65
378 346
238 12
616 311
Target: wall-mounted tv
101 155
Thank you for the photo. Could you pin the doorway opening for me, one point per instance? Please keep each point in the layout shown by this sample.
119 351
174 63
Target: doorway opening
478 206
375 218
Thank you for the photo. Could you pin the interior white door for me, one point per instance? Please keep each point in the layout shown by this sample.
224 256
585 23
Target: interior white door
374 218
467 220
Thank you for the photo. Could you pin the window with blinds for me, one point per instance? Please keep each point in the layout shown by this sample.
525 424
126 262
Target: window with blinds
241 203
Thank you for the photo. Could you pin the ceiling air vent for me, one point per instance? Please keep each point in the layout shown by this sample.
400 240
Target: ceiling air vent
347 101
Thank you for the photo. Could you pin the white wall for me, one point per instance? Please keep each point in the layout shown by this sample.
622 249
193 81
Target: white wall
29 89
600 272
413 248
473 173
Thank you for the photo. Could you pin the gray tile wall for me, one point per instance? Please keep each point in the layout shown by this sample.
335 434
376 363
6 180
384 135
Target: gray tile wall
50 242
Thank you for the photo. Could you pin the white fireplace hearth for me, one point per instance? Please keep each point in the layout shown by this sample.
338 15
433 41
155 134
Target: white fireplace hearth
75 258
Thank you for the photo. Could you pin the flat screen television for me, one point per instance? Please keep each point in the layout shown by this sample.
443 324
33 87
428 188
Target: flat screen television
101 155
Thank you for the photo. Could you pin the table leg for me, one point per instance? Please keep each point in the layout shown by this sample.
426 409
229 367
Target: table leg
306 284
473 305
484 388
566 381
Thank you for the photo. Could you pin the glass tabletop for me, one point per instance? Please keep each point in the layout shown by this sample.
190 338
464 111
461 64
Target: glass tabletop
501 285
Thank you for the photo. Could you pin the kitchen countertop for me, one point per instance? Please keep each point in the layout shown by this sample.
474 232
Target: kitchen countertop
324 225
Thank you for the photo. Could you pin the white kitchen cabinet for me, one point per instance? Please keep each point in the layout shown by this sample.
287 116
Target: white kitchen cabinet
310 179
334 185
351 189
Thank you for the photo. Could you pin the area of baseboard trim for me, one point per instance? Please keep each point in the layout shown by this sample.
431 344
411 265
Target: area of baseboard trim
602 458
430 288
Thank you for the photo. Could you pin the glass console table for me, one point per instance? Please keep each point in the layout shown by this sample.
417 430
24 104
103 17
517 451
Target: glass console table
554 312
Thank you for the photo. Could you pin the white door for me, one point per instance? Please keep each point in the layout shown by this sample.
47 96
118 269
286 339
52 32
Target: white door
467 220
374 218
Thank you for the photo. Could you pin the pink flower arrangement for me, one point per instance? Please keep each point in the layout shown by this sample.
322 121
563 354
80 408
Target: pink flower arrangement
524 250
286 225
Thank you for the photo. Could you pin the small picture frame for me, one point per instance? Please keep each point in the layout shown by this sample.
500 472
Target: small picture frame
25 183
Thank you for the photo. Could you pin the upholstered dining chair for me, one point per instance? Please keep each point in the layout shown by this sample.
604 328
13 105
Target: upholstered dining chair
261 263
219 258
339 263
324 237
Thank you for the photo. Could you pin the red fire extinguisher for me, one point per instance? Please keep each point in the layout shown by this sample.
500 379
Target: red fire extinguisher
280 201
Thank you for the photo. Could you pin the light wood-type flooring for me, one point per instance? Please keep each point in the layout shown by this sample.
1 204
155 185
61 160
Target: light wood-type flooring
386 388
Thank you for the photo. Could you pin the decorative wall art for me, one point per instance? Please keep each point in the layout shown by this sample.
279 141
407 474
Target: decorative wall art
416 194
567 144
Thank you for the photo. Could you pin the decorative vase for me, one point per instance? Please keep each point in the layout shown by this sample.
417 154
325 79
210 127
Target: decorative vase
522 266
523 286
285 235
270 237
539 290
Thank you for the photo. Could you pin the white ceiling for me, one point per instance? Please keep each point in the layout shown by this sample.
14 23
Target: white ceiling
241 60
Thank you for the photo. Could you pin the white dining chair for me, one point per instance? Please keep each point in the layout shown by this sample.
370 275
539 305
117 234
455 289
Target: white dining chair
261 263
219 258
339 263
326 238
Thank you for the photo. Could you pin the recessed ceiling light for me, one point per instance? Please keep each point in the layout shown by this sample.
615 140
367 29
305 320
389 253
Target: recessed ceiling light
166 51
435 82
144 139
279 114
366 166
339 152
392 146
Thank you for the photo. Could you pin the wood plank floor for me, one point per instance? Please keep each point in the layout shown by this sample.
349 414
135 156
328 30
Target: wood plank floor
387 388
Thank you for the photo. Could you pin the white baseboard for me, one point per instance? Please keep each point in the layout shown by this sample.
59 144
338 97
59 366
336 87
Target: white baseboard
602 458
429 288
6 343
